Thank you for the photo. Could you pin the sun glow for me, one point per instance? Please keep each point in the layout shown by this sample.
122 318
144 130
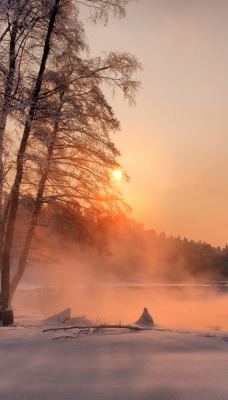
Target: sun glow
117 173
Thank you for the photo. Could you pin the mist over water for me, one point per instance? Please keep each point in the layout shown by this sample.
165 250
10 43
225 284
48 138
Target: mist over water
176 306
189 307
139 273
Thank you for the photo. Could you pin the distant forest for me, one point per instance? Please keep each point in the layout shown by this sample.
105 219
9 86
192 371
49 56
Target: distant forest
137 253
120 248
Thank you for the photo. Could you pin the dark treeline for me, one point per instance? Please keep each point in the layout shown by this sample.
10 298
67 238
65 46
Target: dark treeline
145 254
120 248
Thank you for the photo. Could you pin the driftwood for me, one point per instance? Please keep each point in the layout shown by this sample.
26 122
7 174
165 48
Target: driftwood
96 327
76 334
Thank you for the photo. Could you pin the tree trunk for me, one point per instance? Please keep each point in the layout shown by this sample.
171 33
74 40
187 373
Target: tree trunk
38 204
6 108
5 283
24 254
28 239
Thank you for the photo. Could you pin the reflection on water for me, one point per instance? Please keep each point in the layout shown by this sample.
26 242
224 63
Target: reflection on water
199 305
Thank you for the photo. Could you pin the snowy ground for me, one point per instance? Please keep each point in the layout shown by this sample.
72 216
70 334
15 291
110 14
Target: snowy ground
159 364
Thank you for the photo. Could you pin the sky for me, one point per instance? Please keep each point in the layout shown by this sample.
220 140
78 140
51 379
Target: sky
174 141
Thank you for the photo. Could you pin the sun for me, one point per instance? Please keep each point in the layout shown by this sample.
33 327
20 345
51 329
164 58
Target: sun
117 173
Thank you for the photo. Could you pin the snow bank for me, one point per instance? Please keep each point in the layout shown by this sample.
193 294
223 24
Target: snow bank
159 364
61 317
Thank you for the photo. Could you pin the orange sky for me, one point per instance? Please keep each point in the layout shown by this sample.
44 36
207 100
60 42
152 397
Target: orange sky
174 142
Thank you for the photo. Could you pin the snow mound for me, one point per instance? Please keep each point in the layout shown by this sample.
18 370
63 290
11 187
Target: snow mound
64 318
61 317
145 320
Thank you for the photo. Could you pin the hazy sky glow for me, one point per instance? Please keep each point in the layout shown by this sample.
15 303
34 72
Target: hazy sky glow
174 142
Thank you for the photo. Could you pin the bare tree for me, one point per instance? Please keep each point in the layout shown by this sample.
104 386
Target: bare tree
5 281
75 153
83 153
19 21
